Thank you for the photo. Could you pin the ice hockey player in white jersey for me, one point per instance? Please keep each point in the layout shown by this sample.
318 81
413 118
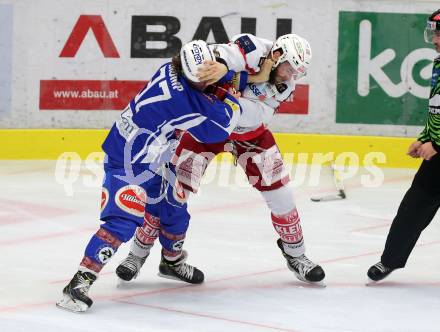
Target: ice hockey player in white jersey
265 72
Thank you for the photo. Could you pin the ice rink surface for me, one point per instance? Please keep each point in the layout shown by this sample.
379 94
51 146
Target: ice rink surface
248 287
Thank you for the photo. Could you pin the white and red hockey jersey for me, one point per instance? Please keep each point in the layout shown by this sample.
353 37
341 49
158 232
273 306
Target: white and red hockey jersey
259 100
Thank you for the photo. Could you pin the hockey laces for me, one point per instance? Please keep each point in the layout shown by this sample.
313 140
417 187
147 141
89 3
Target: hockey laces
83 284
133 263
302 264
185 270
382 268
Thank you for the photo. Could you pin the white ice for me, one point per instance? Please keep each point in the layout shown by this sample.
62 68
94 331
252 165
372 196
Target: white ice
43 232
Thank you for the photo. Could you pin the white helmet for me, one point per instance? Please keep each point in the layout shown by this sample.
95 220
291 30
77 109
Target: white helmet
192 55
294 49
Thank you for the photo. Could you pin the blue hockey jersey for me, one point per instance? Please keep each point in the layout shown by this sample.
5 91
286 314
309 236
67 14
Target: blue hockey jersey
145 130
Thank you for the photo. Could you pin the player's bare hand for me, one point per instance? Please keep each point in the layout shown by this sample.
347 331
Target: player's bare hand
266 68
263 74
234 93
211 71
413 149
426 151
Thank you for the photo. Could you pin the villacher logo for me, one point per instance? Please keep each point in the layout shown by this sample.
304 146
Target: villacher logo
132 199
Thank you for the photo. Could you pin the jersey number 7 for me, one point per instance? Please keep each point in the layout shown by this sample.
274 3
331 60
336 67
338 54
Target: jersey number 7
164 91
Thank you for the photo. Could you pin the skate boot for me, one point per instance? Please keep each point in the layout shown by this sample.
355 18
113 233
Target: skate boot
304 269
75 294
130 267
378 272
179 270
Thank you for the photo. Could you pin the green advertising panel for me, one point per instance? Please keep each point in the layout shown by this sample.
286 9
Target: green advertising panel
384 68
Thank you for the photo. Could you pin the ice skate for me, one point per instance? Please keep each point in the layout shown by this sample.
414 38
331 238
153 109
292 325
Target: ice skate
130 267
75 294
304 269
179 270
378 272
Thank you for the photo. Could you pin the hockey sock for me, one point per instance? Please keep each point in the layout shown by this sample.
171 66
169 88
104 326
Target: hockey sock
288 226
171 245
102 246
145 236
171 256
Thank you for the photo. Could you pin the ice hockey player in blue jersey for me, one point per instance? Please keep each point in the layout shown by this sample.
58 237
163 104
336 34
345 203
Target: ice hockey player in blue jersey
138 150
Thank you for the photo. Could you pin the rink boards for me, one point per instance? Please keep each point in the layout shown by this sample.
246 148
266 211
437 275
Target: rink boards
298 148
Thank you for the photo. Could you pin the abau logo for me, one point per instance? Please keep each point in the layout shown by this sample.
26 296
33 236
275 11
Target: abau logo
384 68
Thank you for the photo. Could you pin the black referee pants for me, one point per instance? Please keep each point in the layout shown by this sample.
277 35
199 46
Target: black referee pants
415 212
